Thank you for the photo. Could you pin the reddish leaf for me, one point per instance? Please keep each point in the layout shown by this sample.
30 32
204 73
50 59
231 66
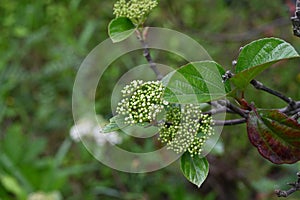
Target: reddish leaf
276 136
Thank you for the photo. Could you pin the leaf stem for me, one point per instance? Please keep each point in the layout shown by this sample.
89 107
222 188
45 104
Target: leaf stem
147 55
295 187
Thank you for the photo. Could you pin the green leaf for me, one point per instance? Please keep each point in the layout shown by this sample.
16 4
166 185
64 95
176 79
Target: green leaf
275 135
115 123
258 56
196 82
62 153
11 185
120 29
195 169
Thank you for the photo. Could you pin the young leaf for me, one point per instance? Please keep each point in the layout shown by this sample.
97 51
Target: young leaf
276 136
115 123
120 29
196 82
258 56
195 169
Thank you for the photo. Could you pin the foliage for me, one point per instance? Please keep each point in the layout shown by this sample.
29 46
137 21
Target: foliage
201 79
258 56
195 169
42 45
120 29
274 133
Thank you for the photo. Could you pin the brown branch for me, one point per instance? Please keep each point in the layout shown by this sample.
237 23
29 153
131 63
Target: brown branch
291 110
296 19
243 113
147 54
218 110
296 116
258 85
229 122
293 107
295 187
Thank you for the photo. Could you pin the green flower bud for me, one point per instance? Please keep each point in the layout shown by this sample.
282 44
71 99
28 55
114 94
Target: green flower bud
136 10
142 101
183 128
182 131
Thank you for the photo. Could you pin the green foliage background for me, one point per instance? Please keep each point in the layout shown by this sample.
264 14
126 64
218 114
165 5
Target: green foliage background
42 44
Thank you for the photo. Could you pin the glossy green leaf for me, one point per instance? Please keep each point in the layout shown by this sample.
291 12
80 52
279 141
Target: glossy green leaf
196 82
276 136
258 56
120 29
115 123
195 169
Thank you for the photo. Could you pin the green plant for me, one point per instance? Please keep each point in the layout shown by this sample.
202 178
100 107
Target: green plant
274 132
24 173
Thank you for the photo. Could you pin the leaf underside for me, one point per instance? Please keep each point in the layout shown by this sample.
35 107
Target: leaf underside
275 135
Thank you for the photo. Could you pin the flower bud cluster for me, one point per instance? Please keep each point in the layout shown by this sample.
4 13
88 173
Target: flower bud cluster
136 10
182 130
141 102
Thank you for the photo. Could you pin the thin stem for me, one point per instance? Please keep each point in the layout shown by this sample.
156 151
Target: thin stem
229 122
295 112
296 116
243 113
291 110
147 54
296 19
297 5
228 107
295 187
218 110
258 85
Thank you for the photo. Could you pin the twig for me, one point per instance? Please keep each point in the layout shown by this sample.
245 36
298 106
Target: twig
294 112
228 75
229 122
296 116
147 54
228 107
243 113
291 110
296 19
295 187
258 85
218 110
293 106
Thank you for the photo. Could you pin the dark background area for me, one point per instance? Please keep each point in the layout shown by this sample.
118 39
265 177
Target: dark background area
42 44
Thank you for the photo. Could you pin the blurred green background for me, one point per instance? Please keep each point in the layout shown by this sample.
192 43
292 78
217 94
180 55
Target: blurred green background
42 44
